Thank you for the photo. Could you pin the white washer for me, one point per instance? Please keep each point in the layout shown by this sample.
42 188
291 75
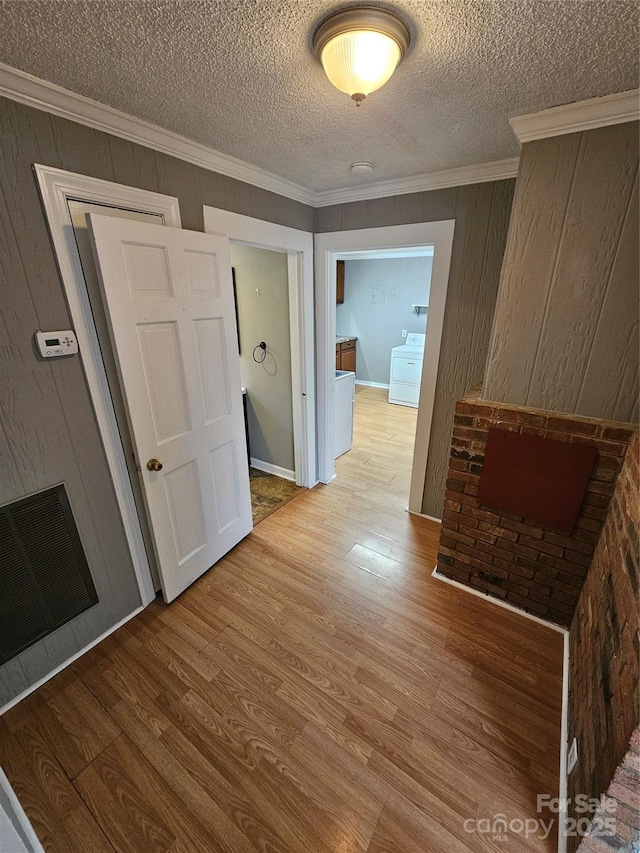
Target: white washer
406 371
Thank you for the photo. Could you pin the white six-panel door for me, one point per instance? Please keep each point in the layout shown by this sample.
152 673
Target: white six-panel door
169 300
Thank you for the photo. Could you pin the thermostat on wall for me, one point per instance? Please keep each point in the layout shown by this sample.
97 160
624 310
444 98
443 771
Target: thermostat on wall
53 344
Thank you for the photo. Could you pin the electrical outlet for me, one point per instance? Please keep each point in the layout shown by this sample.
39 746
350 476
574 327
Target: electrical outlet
404 333
572 756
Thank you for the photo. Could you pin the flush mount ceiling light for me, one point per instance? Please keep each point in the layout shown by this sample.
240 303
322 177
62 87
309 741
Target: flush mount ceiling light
360 48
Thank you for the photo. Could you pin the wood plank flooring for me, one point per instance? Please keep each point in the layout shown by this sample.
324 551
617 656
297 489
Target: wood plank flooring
316 691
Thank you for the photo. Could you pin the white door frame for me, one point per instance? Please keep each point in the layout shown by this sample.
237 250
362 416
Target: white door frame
56 188
328 247
299 247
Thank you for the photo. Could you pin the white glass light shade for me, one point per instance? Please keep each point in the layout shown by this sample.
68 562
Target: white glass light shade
360 48
360 61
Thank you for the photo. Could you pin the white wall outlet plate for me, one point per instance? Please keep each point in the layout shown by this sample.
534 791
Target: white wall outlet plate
54 344
572 756
404 333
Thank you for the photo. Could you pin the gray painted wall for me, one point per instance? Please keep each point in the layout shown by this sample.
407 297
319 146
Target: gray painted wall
378 325
566 326
264 316
48 432
482 214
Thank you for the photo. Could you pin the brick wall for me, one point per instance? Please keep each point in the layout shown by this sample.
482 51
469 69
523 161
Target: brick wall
506 556
621 805
604 654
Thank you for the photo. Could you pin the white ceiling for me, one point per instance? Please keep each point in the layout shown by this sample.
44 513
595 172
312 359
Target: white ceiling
239 76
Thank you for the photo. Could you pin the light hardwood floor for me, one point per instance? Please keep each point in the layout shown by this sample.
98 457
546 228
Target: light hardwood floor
316 691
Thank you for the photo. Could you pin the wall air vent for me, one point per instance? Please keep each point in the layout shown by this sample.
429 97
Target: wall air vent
44 576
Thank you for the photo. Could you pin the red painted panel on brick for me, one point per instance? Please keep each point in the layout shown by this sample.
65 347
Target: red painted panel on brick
541 479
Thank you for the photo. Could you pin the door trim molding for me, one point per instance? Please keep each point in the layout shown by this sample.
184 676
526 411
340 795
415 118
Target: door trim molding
56 188
329 247
299 247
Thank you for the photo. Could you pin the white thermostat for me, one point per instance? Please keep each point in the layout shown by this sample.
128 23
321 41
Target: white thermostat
53 344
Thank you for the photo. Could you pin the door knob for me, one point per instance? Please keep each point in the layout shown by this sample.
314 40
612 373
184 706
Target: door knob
154 465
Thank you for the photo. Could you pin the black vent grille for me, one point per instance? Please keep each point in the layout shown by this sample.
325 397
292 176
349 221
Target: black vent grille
44 577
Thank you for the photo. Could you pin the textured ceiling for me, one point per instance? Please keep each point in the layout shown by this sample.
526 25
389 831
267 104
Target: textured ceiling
239 76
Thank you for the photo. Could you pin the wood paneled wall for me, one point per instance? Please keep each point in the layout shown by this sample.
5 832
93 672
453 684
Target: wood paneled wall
566 330
482 215
48 432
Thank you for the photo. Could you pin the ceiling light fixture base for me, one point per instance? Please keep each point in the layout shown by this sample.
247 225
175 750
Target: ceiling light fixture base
360 48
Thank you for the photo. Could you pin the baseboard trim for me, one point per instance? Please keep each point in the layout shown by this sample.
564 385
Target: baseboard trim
371 384
498 602
69 661
423 515
563 784
276 470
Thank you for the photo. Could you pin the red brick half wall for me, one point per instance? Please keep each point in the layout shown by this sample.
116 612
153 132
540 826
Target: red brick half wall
616 824
506 556
604 651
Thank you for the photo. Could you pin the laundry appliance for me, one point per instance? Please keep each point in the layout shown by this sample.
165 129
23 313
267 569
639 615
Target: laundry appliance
406 371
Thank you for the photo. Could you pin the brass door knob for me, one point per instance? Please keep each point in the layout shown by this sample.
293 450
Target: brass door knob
154 465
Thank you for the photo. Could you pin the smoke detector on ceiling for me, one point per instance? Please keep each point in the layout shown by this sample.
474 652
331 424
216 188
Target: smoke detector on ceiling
361 168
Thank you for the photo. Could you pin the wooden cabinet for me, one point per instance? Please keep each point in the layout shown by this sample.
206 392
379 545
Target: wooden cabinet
339 283
346 356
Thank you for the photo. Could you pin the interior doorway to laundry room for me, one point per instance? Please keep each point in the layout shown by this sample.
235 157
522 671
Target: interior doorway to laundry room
261 283
382 303
335 245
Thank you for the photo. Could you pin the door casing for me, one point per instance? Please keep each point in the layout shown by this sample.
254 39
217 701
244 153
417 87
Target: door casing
328 247
299 248
56 187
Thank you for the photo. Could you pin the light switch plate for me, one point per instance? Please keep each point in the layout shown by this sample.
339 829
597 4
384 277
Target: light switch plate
378 295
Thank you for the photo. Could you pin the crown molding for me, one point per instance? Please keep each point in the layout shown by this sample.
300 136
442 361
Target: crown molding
42 95
582 115
34 92
499 170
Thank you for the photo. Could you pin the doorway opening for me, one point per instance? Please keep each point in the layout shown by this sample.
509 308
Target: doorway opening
264 344
78 210
217 520
333 246
67 197
261 285
294 248
382 303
